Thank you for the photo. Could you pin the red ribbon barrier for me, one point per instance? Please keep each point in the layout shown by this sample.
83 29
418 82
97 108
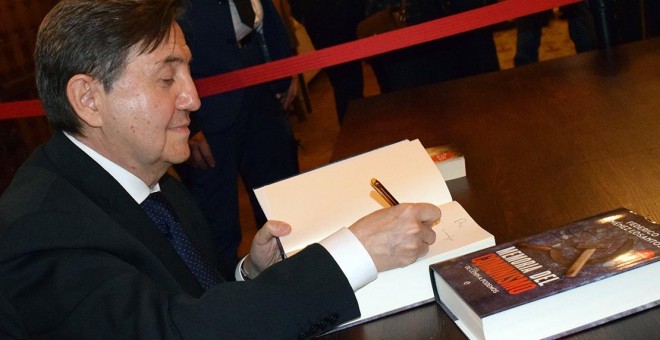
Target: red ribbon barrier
359 49
386 42
21 109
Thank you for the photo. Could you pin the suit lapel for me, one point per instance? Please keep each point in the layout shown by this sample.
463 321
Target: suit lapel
85 174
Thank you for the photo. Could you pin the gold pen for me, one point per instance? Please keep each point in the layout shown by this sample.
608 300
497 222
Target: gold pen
384 193
387 196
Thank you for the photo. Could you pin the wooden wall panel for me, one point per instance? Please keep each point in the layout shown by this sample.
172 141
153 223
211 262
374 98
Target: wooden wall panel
19 22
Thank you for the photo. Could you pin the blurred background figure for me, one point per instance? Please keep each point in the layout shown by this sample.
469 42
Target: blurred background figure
581 29
245 132
454 57
330 23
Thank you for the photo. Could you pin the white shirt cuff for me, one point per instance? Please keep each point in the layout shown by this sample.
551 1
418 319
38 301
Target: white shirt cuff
237 272
350 255
352 258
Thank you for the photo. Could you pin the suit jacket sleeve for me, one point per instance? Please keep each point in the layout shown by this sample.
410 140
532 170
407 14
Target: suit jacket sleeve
87 293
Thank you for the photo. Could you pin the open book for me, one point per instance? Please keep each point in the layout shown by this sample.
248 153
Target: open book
319 202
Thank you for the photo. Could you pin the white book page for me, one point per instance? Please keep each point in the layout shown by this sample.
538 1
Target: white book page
320 202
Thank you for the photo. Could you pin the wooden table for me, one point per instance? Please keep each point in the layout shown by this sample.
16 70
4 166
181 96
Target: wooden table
544 144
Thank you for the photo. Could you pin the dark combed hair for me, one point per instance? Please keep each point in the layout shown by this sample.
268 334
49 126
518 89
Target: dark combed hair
94 37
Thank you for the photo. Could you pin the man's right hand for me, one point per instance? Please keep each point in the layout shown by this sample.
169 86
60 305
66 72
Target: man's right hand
200 152
397 236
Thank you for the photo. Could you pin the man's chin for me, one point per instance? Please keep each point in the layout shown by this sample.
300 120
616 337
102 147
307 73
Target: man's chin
180 156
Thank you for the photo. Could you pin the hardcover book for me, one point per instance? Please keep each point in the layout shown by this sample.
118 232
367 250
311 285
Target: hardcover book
449 160
319 202
555 283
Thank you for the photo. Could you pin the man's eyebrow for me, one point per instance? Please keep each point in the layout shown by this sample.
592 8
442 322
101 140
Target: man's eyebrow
172 59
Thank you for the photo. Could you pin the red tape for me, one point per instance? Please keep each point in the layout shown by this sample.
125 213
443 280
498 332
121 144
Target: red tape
386 42
359 49
21 109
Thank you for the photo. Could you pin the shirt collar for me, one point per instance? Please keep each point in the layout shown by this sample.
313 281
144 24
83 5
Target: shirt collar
131 183
241 29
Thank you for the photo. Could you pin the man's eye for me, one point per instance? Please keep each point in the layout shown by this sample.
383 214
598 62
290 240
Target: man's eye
167 81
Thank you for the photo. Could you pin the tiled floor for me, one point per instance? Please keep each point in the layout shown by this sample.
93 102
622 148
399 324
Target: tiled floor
318 132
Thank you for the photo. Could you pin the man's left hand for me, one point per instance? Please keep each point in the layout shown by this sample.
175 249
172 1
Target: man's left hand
264 251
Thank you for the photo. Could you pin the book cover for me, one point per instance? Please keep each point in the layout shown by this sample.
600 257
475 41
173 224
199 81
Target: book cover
319 202
573 268
449 160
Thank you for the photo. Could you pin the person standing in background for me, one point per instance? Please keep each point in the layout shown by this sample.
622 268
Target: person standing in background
245 132
457 56
330 23
581 29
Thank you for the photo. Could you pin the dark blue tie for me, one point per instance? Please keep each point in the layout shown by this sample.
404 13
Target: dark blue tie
160 211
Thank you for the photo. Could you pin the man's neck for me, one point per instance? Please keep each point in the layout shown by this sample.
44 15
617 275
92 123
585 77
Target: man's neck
122 172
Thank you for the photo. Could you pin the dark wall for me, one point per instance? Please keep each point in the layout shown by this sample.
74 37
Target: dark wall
19 22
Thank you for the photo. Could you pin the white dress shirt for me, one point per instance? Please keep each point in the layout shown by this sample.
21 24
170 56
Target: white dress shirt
240 28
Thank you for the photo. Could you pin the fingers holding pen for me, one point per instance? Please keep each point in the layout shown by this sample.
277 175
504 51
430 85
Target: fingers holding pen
413 233
425 216
433 218
397 236
433 214
264 250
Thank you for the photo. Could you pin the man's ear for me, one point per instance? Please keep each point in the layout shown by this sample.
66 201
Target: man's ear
83 92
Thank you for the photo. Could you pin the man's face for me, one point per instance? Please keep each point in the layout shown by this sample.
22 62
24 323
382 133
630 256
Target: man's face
147 112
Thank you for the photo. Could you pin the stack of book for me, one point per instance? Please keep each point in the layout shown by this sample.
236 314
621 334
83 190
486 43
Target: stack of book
449 160
552 284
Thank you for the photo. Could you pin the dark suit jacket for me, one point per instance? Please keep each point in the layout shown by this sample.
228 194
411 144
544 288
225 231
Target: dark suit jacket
329 22
80 259
210 35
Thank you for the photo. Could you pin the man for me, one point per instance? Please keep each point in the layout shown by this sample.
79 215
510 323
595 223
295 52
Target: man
81 257
329 23
245 132
457 56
